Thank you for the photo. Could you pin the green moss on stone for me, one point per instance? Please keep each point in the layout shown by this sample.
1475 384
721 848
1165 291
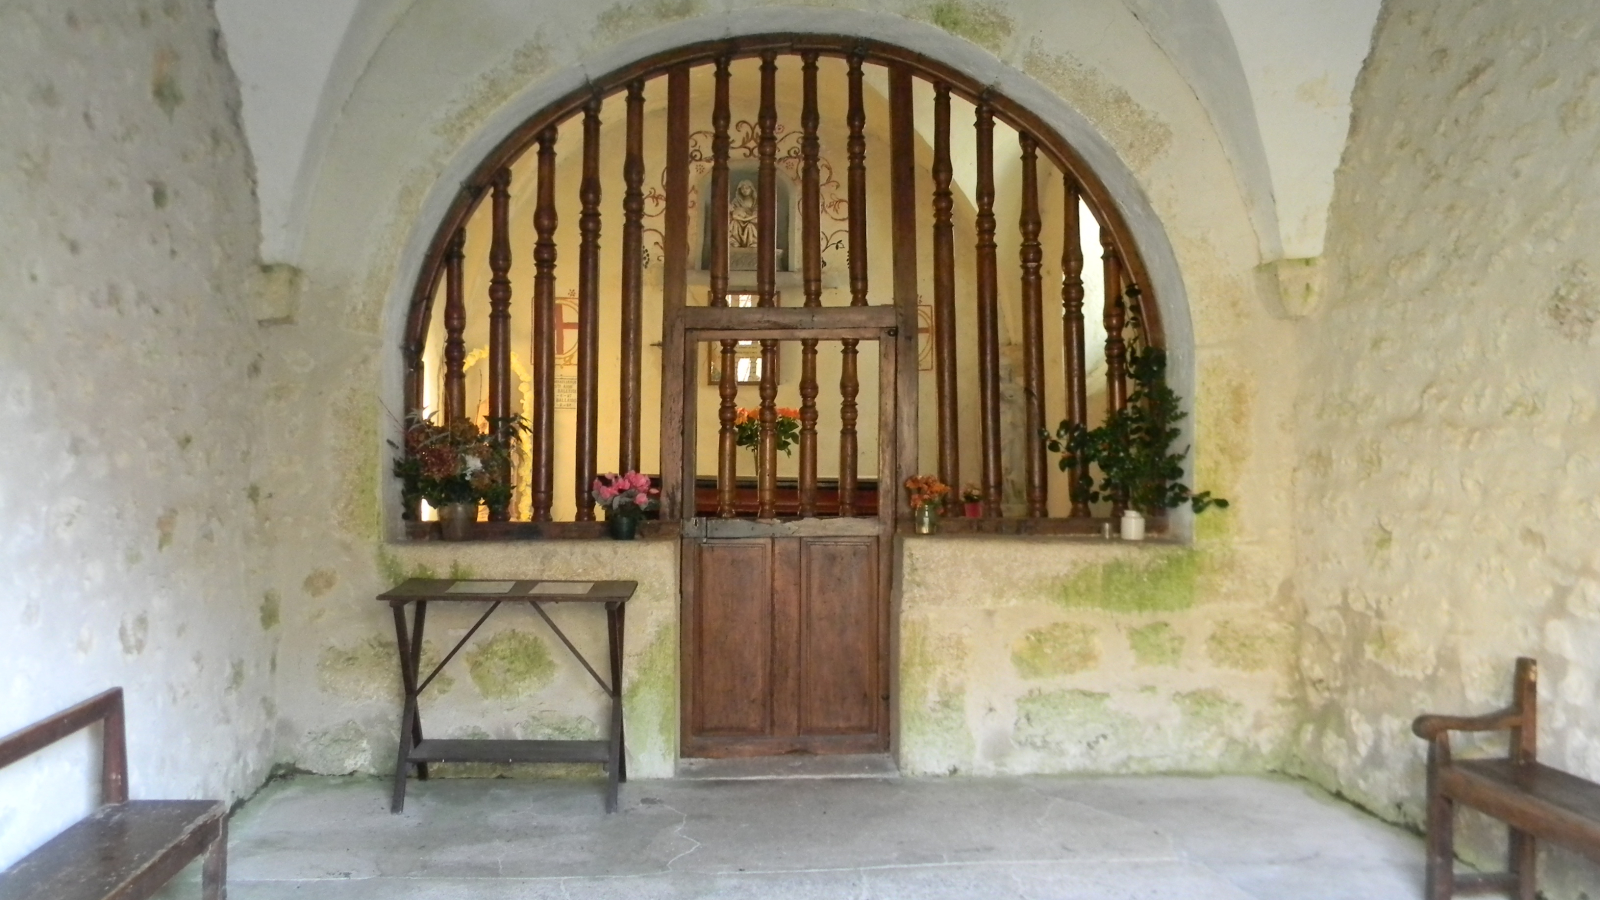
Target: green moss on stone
1156 645
394 568
369 670
1059 649
1053 720
1162 582
510 664
933 699
459 570
1209 707
1247 647
650 700
984 24
271 607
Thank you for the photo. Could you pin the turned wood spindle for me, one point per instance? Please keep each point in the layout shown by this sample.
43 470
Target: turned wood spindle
455 324
544 330
628 438
500 319
849 381
811 249
727 386
1072 326
944 293
988 313
1032 257
766 282
588 424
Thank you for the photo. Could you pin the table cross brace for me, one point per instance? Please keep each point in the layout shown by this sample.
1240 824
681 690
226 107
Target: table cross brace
574 650
457 648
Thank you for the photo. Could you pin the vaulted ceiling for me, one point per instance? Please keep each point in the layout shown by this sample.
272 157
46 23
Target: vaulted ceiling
1275 77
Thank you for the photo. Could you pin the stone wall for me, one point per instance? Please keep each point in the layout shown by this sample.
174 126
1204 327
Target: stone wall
130 401
1449 488
1195 675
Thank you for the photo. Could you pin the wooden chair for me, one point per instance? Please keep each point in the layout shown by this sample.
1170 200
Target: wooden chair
125 849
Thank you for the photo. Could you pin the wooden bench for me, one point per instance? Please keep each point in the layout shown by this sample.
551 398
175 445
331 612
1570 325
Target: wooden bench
125 849
1534 800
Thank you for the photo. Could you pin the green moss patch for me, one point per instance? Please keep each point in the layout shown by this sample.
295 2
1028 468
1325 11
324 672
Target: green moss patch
933 699
984 24
1247 647
1146 584
1054 720
1156 645
510 664
1059 649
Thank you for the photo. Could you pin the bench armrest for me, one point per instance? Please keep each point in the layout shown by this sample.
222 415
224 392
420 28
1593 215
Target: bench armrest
1430 727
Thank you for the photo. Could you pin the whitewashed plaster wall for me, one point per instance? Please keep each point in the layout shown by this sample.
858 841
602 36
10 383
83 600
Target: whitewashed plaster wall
129 399
448 80
1449 486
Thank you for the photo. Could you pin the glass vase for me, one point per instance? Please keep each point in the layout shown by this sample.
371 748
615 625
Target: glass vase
923 518
455 519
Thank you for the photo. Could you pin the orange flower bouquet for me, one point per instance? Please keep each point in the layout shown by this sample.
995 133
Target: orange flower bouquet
926 490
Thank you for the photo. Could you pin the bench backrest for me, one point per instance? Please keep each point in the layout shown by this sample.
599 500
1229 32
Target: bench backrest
1525 697
106 707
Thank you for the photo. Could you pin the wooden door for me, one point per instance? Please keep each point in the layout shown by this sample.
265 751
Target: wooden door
785 642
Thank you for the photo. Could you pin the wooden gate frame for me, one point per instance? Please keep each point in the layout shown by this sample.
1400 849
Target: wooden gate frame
694 326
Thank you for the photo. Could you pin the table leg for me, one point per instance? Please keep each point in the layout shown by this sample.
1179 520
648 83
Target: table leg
616 670
614 647
416 667
408 711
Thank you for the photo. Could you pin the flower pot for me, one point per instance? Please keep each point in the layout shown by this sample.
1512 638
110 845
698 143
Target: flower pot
455 519
923 518
1132 525
973 509
622 528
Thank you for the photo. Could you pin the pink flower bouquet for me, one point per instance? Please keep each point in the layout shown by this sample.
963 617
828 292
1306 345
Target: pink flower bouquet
625 495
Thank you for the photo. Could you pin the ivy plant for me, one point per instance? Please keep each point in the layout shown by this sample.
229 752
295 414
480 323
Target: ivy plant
1133 447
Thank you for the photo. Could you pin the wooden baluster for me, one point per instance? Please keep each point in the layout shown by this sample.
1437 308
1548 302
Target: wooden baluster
903 222
727 386
811 247
944 293
500 316
587 457
1115 318
455 323
1032 255
1073 352
677 398
628 439
849 381
988 313
766 282
544 331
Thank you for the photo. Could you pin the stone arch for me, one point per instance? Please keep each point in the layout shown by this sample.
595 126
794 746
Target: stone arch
1122 192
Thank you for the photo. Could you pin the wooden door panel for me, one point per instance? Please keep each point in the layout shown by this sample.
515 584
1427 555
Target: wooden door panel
733 638
837 651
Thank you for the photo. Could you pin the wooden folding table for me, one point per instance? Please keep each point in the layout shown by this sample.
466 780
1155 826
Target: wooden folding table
415 751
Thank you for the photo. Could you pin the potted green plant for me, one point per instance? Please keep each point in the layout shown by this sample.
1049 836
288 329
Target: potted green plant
1133 447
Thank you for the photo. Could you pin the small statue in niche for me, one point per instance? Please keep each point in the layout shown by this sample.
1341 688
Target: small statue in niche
742 214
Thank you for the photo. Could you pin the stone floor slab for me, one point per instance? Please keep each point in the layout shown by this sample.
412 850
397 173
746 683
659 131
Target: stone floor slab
1041 838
